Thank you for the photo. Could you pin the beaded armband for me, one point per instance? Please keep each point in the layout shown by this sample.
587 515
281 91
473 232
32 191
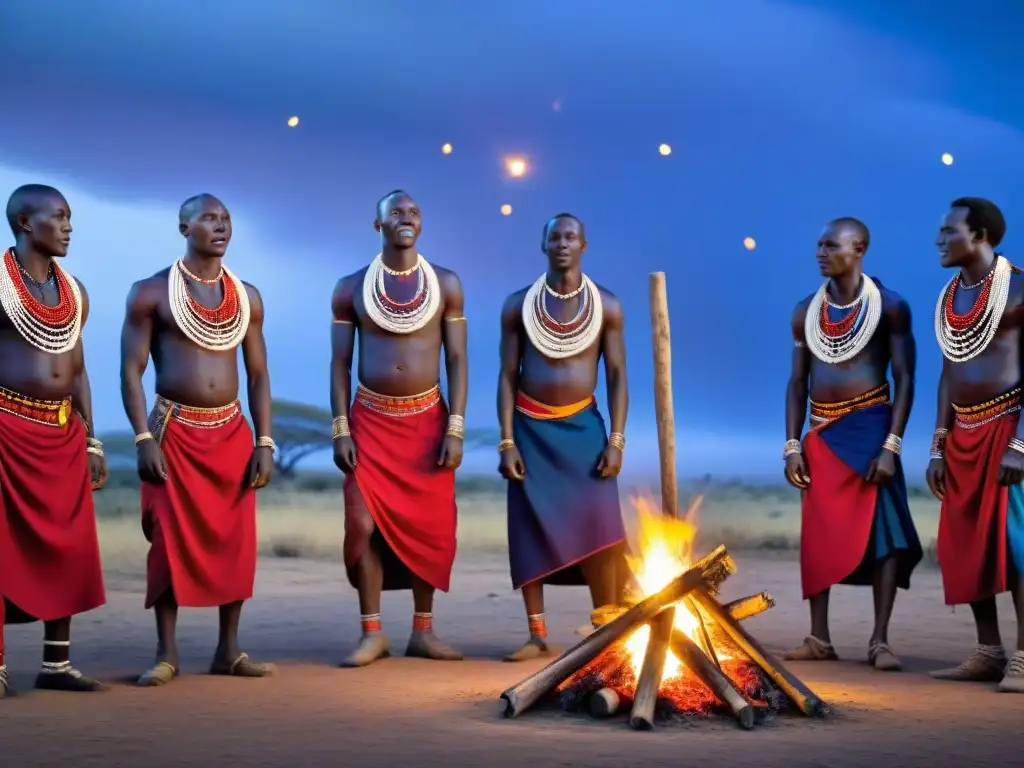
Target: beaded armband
893 443
266 442
339 428
938 449
791 448
456 427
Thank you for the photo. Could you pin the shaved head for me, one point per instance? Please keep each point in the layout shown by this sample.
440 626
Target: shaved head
559 217
855 227
194 204
26 200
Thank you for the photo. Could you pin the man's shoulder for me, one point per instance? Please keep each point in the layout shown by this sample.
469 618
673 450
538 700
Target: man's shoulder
608 298
351 280
154 282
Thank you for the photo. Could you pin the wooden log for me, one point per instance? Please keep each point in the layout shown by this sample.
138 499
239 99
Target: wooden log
661 340
717 567
528 692
604 703
713 677
706 643
802 696
751 605
645 696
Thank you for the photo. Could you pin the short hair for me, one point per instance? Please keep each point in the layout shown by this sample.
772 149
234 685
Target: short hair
983 216
388 196
863 234
188 208
558 217
25 201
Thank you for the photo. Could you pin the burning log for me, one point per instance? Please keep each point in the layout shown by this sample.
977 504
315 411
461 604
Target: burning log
796 691
604 703
713 677
646 695
749 606
521 697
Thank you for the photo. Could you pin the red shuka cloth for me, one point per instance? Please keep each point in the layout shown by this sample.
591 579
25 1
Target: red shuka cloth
201 522
837 512
972 545
49 552
398 489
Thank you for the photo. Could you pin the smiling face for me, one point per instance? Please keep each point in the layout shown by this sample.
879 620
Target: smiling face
398 221
564 243
47 224
206 225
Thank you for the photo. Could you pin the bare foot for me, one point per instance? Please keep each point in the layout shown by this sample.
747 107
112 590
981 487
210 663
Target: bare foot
240 666
160 673
67 678
373 646
534 648
986 665
426 645
812 649
881 657
1013 682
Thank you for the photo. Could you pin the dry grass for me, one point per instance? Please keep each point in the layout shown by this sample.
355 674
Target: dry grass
309 524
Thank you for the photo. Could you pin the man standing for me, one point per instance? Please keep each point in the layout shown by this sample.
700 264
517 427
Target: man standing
856 526
396 441
564 520
50 463
197 461
977 456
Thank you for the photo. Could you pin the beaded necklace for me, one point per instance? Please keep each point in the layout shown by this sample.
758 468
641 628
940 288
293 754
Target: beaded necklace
219 329
560 340
964 337
839 341
53 329
398 316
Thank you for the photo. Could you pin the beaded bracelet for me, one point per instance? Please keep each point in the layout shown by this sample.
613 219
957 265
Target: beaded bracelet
618 440
791 448
506 444
893 443
456 426
1016 444
340 428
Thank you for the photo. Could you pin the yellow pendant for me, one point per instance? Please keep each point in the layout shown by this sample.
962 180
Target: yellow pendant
64 413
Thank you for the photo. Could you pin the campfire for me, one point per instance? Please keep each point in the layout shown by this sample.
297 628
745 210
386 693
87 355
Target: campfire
673 649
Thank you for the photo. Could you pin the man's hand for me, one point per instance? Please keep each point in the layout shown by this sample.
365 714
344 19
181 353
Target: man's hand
345 454
98 471
882 469
511 464
936 477
796 471
451 452
261 467
610 463
150 461
1011 468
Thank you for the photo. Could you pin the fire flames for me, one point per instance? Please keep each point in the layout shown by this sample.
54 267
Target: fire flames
664 551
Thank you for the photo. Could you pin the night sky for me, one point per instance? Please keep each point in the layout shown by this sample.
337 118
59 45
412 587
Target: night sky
780 116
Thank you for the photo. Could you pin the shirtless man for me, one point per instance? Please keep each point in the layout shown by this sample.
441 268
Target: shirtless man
977 456
856 526
564 520
50 463
197 460
397 441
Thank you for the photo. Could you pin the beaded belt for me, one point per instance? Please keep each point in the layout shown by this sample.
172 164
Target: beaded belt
202 418
974 416
52 413
398 406
824 413
535 409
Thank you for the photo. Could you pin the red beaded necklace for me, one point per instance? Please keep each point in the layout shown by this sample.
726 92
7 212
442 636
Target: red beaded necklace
840 327
60 315
223 313
963 322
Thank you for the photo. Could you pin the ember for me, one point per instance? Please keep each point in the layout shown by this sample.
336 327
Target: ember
674 649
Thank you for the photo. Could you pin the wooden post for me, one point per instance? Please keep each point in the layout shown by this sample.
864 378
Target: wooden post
661 339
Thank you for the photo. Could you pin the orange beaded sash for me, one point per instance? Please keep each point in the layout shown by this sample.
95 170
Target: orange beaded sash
535 409
52 413
825 413
973 416
398 406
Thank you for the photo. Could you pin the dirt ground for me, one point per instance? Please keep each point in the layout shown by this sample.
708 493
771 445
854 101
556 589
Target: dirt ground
418 713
